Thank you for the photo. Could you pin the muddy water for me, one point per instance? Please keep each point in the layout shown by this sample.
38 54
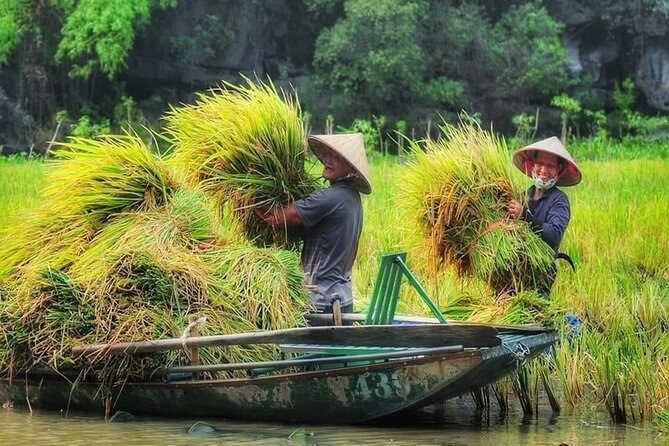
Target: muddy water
445 425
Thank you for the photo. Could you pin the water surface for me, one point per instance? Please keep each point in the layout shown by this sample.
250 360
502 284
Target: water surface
448 424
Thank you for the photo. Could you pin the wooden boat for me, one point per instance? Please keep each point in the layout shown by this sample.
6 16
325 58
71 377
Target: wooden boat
396 368
518 345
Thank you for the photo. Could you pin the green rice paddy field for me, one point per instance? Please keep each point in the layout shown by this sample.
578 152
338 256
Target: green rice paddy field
618 238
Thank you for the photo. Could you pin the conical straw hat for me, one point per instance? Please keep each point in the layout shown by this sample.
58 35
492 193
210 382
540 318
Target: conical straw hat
523 159
350 147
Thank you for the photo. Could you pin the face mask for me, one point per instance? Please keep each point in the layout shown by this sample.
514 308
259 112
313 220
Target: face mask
541 184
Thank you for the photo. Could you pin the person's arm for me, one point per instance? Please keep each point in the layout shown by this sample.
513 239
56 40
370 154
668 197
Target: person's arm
279 217
551 230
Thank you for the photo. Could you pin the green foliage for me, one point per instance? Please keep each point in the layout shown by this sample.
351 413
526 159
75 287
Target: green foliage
445 91
456 41
101 33
369 130
524 125
624 96
87 127
529 51
597 123
198 45
568 107
126 111
566 103
372 54
13 17
401 127
646 126
322 6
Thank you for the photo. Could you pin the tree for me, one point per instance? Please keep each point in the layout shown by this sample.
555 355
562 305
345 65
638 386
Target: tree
371 57
568 107
455 40
101 33
13 17
529 52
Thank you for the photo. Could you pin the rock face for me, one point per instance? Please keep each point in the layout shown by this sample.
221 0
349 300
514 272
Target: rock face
636 47
13 124
204 41
201 42
652 74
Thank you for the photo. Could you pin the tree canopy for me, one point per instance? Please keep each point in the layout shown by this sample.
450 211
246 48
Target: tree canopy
94 33
382 53
13 14
372 54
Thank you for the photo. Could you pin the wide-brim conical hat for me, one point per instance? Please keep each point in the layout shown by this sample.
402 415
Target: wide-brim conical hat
523 159
350 147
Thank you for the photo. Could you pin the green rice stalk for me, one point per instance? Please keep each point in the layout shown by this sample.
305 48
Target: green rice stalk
112 174
456 189
663 419
42 241
245 144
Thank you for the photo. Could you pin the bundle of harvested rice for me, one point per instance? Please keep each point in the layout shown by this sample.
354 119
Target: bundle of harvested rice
457 190
246 145
146 290
115 256
266 285
91 182
526 307
98 178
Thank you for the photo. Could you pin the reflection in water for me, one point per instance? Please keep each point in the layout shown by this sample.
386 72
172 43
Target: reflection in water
452 423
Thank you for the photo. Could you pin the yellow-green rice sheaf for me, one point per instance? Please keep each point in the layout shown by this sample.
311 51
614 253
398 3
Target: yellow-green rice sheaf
246 145
456 189
95 179
265 285
90 183
123 250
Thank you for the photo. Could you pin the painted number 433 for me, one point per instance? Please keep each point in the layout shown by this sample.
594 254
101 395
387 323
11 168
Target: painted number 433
379 386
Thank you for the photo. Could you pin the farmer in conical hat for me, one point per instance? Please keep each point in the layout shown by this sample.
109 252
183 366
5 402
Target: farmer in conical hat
331 218
547 210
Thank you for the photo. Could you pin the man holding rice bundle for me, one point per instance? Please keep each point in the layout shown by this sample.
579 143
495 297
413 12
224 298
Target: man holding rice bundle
547 209
331 219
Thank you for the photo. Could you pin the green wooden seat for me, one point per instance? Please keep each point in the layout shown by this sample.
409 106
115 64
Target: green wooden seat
383 304
387 290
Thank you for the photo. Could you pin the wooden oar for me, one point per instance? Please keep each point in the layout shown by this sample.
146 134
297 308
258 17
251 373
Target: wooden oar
319 319
425 336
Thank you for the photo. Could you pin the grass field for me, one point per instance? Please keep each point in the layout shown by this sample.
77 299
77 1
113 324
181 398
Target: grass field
618 237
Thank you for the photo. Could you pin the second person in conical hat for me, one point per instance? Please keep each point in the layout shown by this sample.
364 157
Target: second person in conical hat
331 218
547 209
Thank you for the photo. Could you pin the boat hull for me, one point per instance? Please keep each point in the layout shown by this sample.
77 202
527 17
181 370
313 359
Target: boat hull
496 363
346 395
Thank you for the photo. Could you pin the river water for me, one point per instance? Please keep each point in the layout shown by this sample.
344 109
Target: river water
449 424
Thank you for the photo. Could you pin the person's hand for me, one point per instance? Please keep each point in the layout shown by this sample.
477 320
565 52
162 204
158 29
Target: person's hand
515 209
205 245
261 211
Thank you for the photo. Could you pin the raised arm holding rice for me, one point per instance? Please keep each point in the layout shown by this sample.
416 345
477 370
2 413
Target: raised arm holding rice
331 218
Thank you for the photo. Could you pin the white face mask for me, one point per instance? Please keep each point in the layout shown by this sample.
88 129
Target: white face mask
541 184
